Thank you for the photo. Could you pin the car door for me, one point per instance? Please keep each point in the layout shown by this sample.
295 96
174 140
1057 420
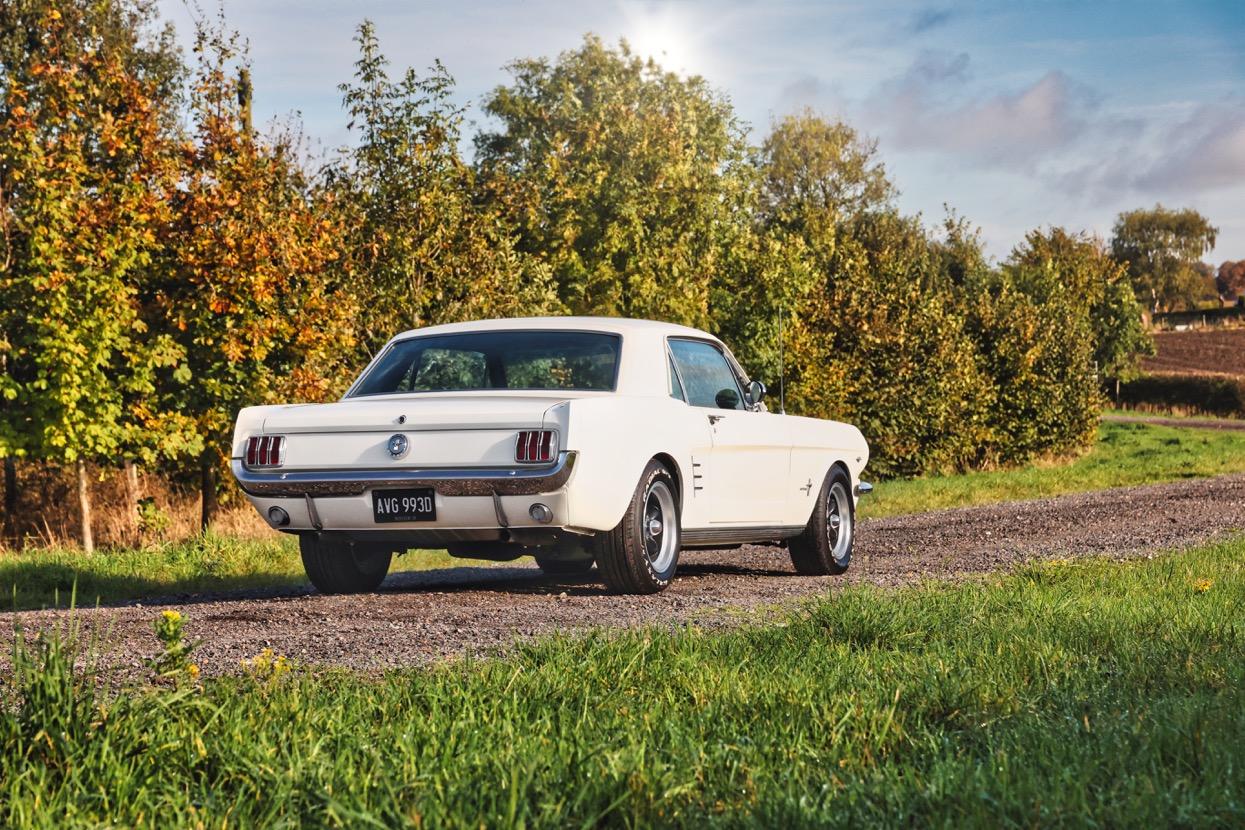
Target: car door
744 479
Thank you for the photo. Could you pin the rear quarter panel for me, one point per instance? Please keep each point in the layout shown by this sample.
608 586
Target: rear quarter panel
615 438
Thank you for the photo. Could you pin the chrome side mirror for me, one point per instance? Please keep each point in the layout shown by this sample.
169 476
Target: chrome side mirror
756 392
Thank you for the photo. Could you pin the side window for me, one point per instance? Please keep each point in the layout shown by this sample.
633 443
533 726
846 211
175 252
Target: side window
676 387
708 377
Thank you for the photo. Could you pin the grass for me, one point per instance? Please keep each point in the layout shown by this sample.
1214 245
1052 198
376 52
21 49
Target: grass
1083 694
46 577
1125 454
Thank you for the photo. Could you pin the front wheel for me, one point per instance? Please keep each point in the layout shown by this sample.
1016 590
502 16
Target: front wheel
641 554
339 567
825 546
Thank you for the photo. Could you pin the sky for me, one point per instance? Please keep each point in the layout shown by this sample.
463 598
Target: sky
1017 114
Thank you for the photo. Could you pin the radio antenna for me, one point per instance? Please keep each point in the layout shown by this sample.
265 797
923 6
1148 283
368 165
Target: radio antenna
782 363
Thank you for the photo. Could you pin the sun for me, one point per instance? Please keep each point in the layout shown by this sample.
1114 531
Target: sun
666 35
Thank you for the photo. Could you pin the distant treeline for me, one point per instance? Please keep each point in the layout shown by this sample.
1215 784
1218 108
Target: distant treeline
164 263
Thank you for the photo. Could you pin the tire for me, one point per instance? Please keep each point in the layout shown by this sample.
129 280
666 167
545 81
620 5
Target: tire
641 554
565 567
338 567
825 546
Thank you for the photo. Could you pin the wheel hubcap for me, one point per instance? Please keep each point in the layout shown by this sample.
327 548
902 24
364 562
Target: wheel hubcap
660 540
838 522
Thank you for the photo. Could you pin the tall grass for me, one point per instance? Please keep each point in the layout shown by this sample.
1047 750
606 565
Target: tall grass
1090 694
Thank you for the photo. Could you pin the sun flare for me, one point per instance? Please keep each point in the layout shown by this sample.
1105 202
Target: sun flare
666 35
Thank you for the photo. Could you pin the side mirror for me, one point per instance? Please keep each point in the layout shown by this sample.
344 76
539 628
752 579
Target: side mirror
727 399
756 392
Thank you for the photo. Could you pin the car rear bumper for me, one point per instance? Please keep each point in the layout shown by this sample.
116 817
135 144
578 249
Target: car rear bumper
482 504
501 481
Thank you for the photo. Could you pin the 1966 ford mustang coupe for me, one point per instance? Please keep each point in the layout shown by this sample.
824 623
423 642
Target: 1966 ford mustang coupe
577 440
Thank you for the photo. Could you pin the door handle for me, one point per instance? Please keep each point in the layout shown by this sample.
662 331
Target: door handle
713 419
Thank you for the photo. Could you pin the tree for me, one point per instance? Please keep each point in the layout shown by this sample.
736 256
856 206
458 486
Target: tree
85 161
625 179
1161 249
1230 280
242 281
418 250
885 348
1082 264
813 167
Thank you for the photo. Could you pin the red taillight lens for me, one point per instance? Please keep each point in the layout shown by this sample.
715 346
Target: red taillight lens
534 446
264 450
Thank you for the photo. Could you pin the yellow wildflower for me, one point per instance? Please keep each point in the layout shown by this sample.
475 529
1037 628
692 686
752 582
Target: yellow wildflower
1203 585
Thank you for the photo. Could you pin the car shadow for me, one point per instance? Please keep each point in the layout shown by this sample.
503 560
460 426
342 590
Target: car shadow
515 579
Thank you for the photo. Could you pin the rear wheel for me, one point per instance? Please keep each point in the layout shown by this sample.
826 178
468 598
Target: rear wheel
641 554
825 546
340 567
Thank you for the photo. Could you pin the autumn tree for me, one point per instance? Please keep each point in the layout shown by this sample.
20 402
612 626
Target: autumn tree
85 165
885 347
1230 280
417 248
242 282
813 168
1161 249
619 175
1083 265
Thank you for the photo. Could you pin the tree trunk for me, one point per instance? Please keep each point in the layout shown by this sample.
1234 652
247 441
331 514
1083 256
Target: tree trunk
131 496
207 471
10 497
84 503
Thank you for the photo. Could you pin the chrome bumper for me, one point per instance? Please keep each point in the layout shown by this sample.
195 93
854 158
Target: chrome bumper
486 481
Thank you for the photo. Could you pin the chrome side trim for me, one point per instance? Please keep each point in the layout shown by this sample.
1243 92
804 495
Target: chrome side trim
738 535
483 481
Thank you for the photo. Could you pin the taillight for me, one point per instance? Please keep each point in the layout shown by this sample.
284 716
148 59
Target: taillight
535 446
265 450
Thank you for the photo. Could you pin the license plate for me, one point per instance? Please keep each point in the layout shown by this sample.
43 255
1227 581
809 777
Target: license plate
418 505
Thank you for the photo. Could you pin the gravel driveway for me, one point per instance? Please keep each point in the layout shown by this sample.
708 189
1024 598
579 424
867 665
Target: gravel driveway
421 616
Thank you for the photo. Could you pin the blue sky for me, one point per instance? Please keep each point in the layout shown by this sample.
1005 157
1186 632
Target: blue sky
1015 114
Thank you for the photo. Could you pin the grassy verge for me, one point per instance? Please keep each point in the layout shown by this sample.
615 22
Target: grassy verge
1125 454
1088 693
47 577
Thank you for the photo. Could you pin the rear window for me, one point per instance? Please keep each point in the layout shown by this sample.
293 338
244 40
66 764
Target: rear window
570 360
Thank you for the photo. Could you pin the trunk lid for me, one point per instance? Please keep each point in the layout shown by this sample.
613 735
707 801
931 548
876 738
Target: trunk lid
442 430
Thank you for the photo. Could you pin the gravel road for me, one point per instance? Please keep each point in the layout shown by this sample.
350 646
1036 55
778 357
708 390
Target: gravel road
421 616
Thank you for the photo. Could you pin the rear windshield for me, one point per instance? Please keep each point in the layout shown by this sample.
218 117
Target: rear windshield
572 360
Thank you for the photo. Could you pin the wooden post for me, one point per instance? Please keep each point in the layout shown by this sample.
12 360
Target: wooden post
207 484
10 497
131 495
84 504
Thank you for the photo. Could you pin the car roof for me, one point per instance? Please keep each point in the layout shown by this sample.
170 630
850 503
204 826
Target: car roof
611 325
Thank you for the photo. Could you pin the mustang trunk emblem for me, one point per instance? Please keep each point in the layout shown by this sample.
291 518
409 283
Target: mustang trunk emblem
398 445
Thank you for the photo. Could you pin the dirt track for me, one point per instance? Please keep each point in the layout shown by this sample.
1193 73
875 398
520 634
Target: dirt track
424 615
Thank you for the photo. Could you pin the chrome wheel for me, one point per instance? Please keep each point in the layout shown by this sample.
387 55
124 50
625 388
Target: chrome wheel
661 542
839 522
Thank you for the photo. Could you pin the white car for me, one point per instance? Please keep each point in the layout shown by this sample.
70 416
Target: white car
577 440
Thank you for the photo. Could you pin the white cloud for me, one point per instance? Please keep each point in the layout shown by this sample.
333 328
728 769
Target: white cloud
930 108
1204 152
